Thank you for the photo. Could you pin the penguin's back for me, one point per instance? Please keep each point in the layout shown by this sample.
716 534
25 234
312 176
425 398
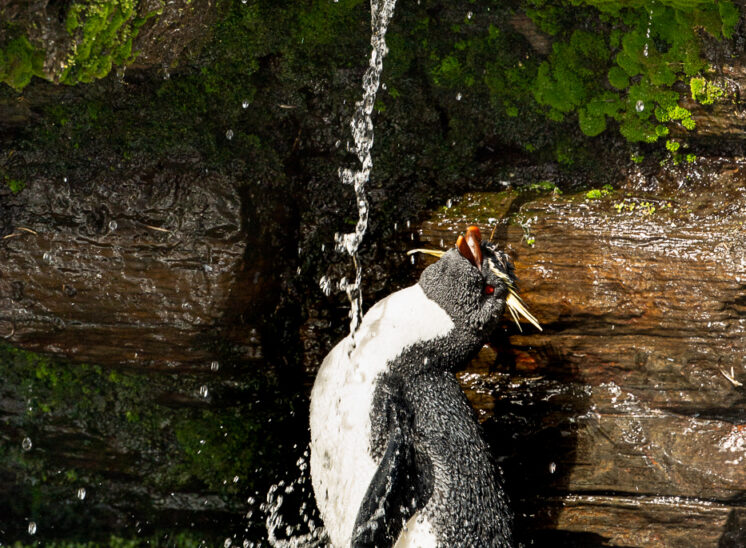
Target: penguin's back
342 399
467 506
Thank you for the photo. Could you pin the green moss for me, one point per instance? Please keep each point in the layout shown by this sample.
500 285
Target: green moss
176 447
618 77
319 22
598 193
705 92
566 80
642 207
729 16
449 72
565 152
646 48
14 185
19 62
103 32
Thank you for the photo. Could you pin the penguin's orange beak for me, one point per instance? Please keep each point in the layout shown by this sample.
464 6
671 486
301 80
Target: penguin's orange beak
469 246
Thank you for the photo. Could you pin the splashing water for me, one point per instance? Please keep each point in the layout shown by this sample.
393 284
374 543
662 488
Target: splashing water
283 534
362 133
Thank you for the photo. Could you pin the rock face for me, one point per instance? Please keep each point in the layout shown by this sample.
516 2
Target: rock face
159 33
624 422
147 256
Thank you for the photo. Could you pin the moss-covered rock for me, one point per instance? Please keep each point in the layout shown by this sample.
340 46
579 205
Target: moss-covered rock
75 435
81 41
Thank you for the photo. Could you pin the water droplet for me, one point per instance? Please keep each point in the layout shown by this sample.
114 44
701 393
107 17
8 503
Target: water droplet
411 259
81 493
469 15
639 106
215 365
449 203
458 96
245 104
203 391
235 479
64 179
26 444
246 544
31 527
47 258
227 543
113 225
383 85
229 134
552 467
326 285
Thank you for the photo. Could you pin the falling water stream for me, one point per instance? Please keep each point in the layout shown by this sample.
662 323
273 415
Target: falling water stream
280 532
362 133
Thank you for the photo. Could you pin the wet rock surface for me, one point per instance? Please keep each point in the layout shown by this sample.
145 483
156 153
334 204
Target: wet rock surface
147 255
626 417
621 424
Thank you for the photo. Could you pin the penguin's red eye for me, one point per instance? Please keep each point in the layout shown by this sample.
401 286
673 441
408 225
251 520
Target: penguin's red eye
489 289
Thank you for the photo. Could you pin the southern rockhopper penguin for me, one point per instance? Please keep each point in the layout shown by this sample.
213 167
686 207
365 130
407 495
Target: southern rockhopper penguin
397 455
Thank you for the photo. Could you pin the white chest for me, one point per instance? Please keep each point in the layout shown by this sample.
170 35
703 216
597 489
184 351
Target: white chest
342 398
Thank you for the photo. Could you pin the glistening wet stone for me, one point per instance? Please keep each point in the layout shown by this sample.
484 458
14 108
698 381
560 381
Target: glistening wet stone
635 387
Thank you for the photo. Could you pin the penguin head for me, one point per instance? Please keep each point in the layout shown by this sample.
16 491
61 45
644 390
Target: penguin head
474 283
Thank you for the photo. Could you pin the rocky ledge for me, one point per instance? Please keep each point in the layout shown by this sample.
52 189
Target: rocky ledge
624 421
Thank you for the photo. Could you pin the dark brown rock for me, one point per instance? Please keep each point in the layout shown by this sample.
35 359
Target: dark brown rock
129 268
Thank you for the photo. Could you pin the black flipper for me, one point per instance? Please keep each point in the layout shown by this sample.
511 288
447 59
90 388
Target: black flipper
391 498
